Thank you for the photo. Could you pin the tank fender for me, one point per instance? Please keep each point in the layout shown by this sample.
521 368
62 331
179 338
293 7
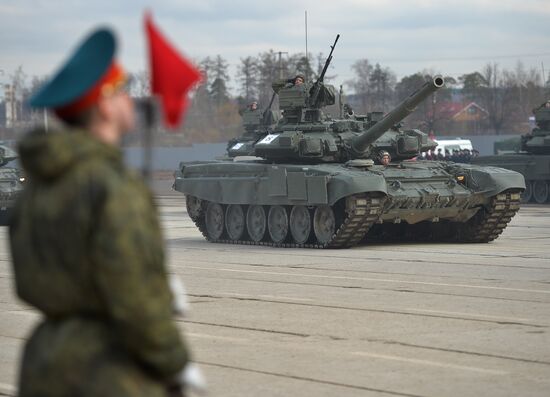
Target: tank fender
494 180
276 185
343 185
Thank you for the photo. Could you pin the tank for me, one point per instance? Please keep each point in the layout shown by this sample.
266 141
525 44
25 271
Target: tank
319 182
528 155
11 181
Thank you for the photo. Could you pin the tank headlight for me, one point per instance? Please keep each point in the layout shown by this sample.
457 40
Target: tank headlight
460 178
21 179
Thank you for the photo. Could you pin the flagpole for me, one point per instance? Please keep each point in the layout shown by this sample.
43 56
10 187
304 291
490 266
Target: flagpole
148 109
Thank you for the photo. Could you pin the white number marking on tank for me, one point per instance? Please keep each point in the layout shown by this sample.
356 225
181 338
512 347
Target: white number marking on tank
269 138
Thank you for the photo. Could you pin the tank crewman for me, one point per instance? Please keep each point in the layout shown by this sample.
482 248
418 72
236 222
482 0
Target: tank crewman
348 111
255 120
296 81
87 247
251 107
384 157
299 80
440 155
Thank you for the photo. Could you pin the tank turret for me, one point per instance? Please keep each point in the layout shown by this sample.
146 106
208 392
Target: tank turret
257 124
305 134
538 141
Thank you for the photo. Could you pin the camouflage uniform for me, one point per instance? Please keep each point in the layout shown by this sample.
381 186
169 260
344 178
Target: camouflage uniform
88 253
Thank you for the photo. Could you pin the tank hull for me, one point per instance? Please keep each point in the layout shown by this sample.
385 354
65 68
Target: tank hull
336 205
10 189
534 167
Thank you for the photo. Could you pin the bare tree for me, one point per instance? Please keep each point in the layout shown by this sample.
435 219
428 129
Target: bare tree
219 77
268 68
300 64
18 85
497 97
528 91
360 84
247 75
405 87
381 83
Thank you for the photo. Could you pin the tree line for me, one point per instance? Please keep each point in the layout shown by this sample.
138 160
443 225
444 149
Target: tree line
503 98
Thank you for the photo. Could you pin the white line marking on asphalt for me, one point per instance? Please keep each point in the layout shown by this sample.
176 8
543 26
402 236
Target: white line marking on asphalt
372 279
264 296
431 363
285 297
207 336
488 316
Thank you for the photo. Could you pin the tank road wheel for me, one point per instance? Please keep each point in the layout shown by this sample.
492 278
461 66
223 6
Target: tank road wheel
194 207
234 221
527 194
277 224
540 191
324 224
256 222
214 221
300 224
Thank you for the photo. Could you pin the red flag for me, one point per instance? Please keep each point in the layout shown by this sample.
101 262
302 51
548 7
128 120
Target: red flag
172 76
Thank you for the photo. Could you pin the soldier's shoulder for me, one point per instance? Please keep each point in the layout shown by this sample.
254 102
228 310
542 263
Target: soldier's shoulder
112 178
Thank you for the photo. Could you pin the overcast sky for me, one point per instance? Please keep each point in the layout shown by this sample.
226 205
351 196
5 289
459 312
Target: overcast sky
446 36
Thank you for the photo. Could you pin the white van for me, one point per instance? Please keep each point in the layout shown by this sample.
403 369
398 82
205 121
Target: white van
453 144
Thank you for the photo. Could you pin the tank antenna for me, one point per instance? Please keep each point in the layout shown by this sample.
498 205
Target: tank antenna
307 55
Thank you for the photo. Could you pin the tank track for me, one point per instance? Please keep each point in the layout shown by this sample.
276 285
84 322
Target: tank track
489 222
485 226
361 212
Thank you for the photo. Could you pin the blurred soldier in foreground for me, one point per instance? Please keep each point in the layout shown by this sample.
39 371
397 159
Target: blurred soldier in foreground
87 247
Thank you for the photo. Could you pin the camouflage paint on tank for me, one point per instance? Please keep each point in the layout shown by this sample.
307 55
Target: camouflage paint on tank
316 176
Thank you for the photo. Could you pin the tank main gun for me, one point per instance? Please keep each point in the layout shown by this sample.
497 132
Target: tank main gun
362 141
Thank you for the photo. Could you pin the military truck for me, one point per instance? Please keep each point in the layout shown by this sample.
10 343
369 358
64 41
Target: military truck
530 156
317 182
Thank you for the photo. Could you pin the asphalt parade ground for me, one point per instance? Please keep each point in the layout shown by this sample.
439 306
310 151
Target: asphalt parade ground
375 320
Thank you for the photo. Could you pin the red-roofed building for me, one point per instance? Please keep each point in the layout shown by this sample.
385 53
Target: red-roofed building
471 112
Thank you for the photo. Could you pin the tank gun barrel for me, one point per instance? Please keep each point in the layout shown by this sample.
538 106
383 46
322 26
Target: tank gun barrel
362 141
